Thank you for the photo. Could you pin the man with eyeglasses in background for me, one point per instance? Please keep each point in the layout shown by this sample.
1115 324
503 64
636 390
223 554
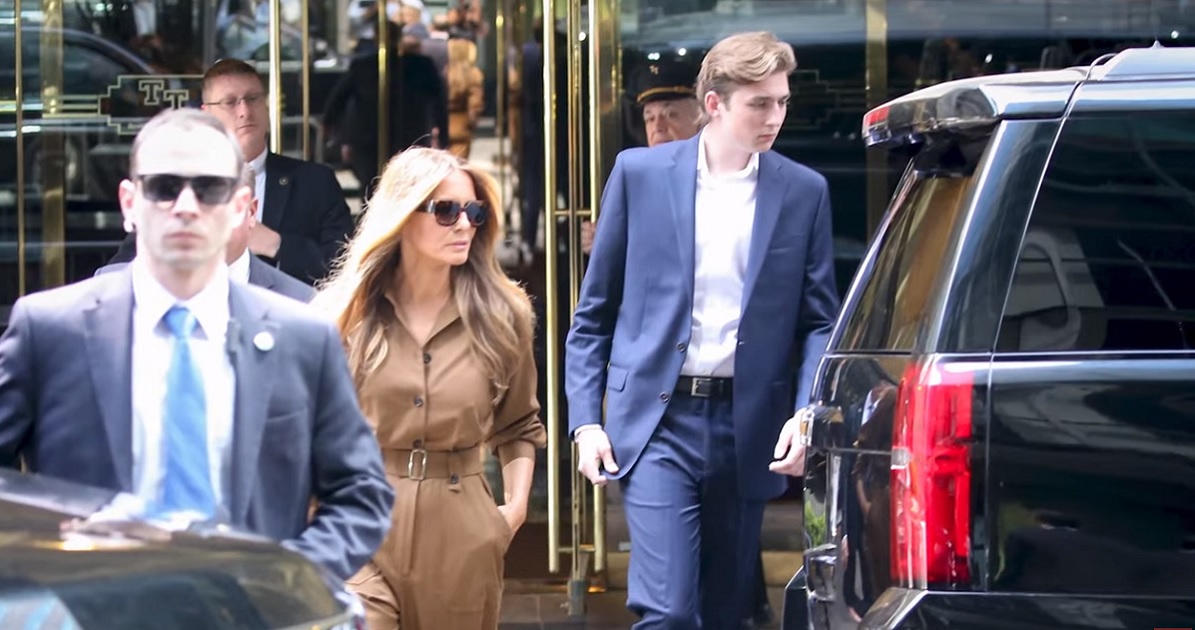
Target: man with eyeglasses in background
303 220
257 414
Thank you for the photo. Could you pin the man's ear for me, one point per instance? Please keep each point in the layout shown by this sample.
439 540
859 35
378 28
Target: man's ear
127 194
712 100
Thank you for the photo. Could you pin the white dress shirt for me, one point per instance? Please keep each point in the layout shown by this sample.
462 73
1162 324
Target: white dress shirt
238 270
153 347
724 215
259 185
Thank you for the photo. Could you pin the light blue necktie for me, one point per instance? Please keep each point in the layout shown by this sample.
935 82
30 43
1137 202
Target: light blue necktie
187 486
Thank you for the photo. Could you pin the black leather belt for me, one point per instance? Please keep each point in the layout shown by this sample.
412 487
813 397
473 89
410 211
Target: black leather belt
705 387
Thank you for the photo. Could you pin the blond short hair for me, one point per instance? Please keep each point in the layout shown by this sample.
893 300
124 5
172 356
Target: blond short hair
742 59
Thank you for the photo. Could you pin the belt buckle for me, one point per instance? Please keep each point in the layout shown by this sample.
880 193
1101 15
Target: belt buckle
422 464
700 387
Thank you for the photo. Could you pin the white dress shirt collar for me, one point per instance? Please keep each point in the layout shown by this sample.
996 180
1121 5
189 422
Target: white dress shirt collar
259 163
210 305
238 270
259 182
703 167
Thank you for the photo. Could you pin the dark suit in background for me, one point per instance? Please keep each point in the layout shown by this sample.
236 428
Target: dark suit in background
66 408
305 204
260 274
418 103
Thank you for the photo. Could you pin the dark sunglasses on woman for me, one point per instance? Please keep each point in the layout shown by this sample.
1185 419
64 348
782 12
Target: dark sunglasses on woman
449 212
208 189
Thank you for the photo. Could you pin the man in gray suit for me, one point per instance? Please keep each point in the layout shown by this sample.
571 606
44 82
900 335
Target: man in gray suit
257 415
243 264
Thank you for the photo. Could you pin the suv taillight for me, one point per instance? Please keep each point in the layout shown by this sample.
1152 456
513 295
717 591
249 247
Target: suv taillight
931 477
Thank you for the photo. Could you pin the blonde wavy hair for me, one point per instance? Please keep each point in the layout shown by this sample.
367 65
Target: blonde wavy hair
496 312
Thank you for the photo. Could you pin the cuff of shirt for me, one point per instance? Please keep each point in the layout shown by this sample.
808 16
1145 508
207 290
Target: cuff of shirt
583 428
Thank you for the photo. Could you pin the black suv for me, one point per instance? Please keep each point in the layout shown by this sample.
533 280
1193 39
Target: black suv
1004 434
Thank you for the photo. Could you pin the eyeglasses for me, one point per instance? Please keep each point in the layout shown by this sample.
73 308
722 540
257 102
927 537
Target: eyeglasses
231 102
449 212
208 189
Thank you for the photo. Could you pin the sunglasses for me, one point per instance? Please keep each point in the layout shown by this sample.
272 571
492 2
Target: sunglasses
449 212
208 189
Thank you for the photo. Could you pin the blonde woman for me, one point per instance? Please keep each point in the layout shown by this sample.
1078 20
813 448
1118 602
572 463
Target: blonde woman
439 344
465 96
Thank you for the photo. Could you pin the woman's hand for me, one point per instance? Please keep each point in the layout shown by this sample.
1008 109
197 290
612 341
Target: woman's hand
515 516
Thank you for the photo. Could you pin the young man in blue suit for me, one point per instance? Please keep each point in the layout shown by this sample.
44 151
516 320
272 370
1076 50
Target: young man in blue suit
702 368
257 413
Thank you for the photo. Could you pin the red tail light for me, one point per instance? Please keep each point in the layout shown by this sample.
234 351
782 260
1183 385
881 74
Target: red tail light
931 477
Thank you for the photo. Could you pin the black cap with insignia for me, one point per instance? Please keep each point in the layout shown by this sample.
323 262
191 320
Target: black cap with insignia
664 81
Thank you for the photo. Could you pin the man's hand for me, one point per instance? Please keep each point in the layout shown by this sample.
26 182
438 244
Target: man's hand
594 452
587 231
790 448
264 242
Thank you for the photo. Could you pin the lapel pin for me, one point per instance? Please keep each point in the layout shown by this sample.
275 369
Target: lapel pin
283 180
263 341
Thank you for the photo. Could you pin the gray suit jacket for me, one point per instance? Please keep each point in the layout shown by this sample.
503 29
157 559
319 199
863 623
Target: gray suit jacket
260 273
298 433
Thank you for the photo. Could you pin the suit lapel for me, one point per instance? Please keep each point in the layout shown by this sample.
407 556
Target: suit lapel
108 327
278 185
251 340
769 195
684 203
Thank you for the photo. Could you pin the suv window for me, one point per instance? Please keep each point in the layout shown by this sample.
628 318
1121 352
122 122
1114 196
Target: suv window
1108 259
925 211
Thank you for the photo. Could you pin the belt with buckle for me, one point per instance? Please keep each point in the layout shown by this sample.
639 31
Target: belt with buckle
420 464
705 387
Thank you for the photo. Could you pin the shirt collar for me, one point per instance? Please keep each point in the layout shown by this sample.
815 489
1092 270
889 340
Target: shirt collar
703 168
210 305
447 316
239 269
259 164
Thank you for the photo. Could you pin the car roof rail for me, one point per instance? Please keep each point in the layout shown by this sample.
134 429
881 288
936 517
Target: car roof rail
1098 61
1153 61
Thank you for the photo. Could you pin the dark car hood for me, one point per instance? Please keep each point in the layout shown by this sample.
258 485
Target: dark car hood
54 560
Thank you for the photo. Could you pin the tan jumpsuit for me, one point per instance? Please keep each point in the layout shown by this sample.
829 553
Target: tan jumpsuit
441 566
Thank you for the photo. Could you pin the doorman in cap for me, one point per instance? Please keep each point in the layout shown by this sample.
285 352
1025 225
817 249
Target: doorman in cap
670 110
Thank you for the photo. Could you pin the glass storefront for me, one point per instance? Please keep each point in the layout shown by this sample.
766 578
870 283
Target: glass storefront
90 74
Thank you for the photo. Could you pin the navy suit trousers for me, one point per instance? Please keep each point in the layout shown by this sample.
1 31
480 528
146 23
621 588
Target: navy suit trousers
694 540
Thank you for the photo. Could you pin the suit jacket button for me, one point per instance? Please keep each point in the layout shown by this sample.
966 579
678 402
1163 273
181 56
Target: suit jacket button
680 346
418 402
427 358
418 443
664 396
453 479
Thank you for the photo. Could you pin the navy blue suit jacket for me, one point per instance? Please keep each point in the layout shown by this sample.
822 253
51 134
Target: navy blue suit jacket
66 409
632 325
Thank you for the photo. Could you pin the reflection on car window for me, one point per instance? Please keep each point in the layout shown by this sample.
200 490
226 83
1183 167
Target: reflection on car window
888 313
1109 258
